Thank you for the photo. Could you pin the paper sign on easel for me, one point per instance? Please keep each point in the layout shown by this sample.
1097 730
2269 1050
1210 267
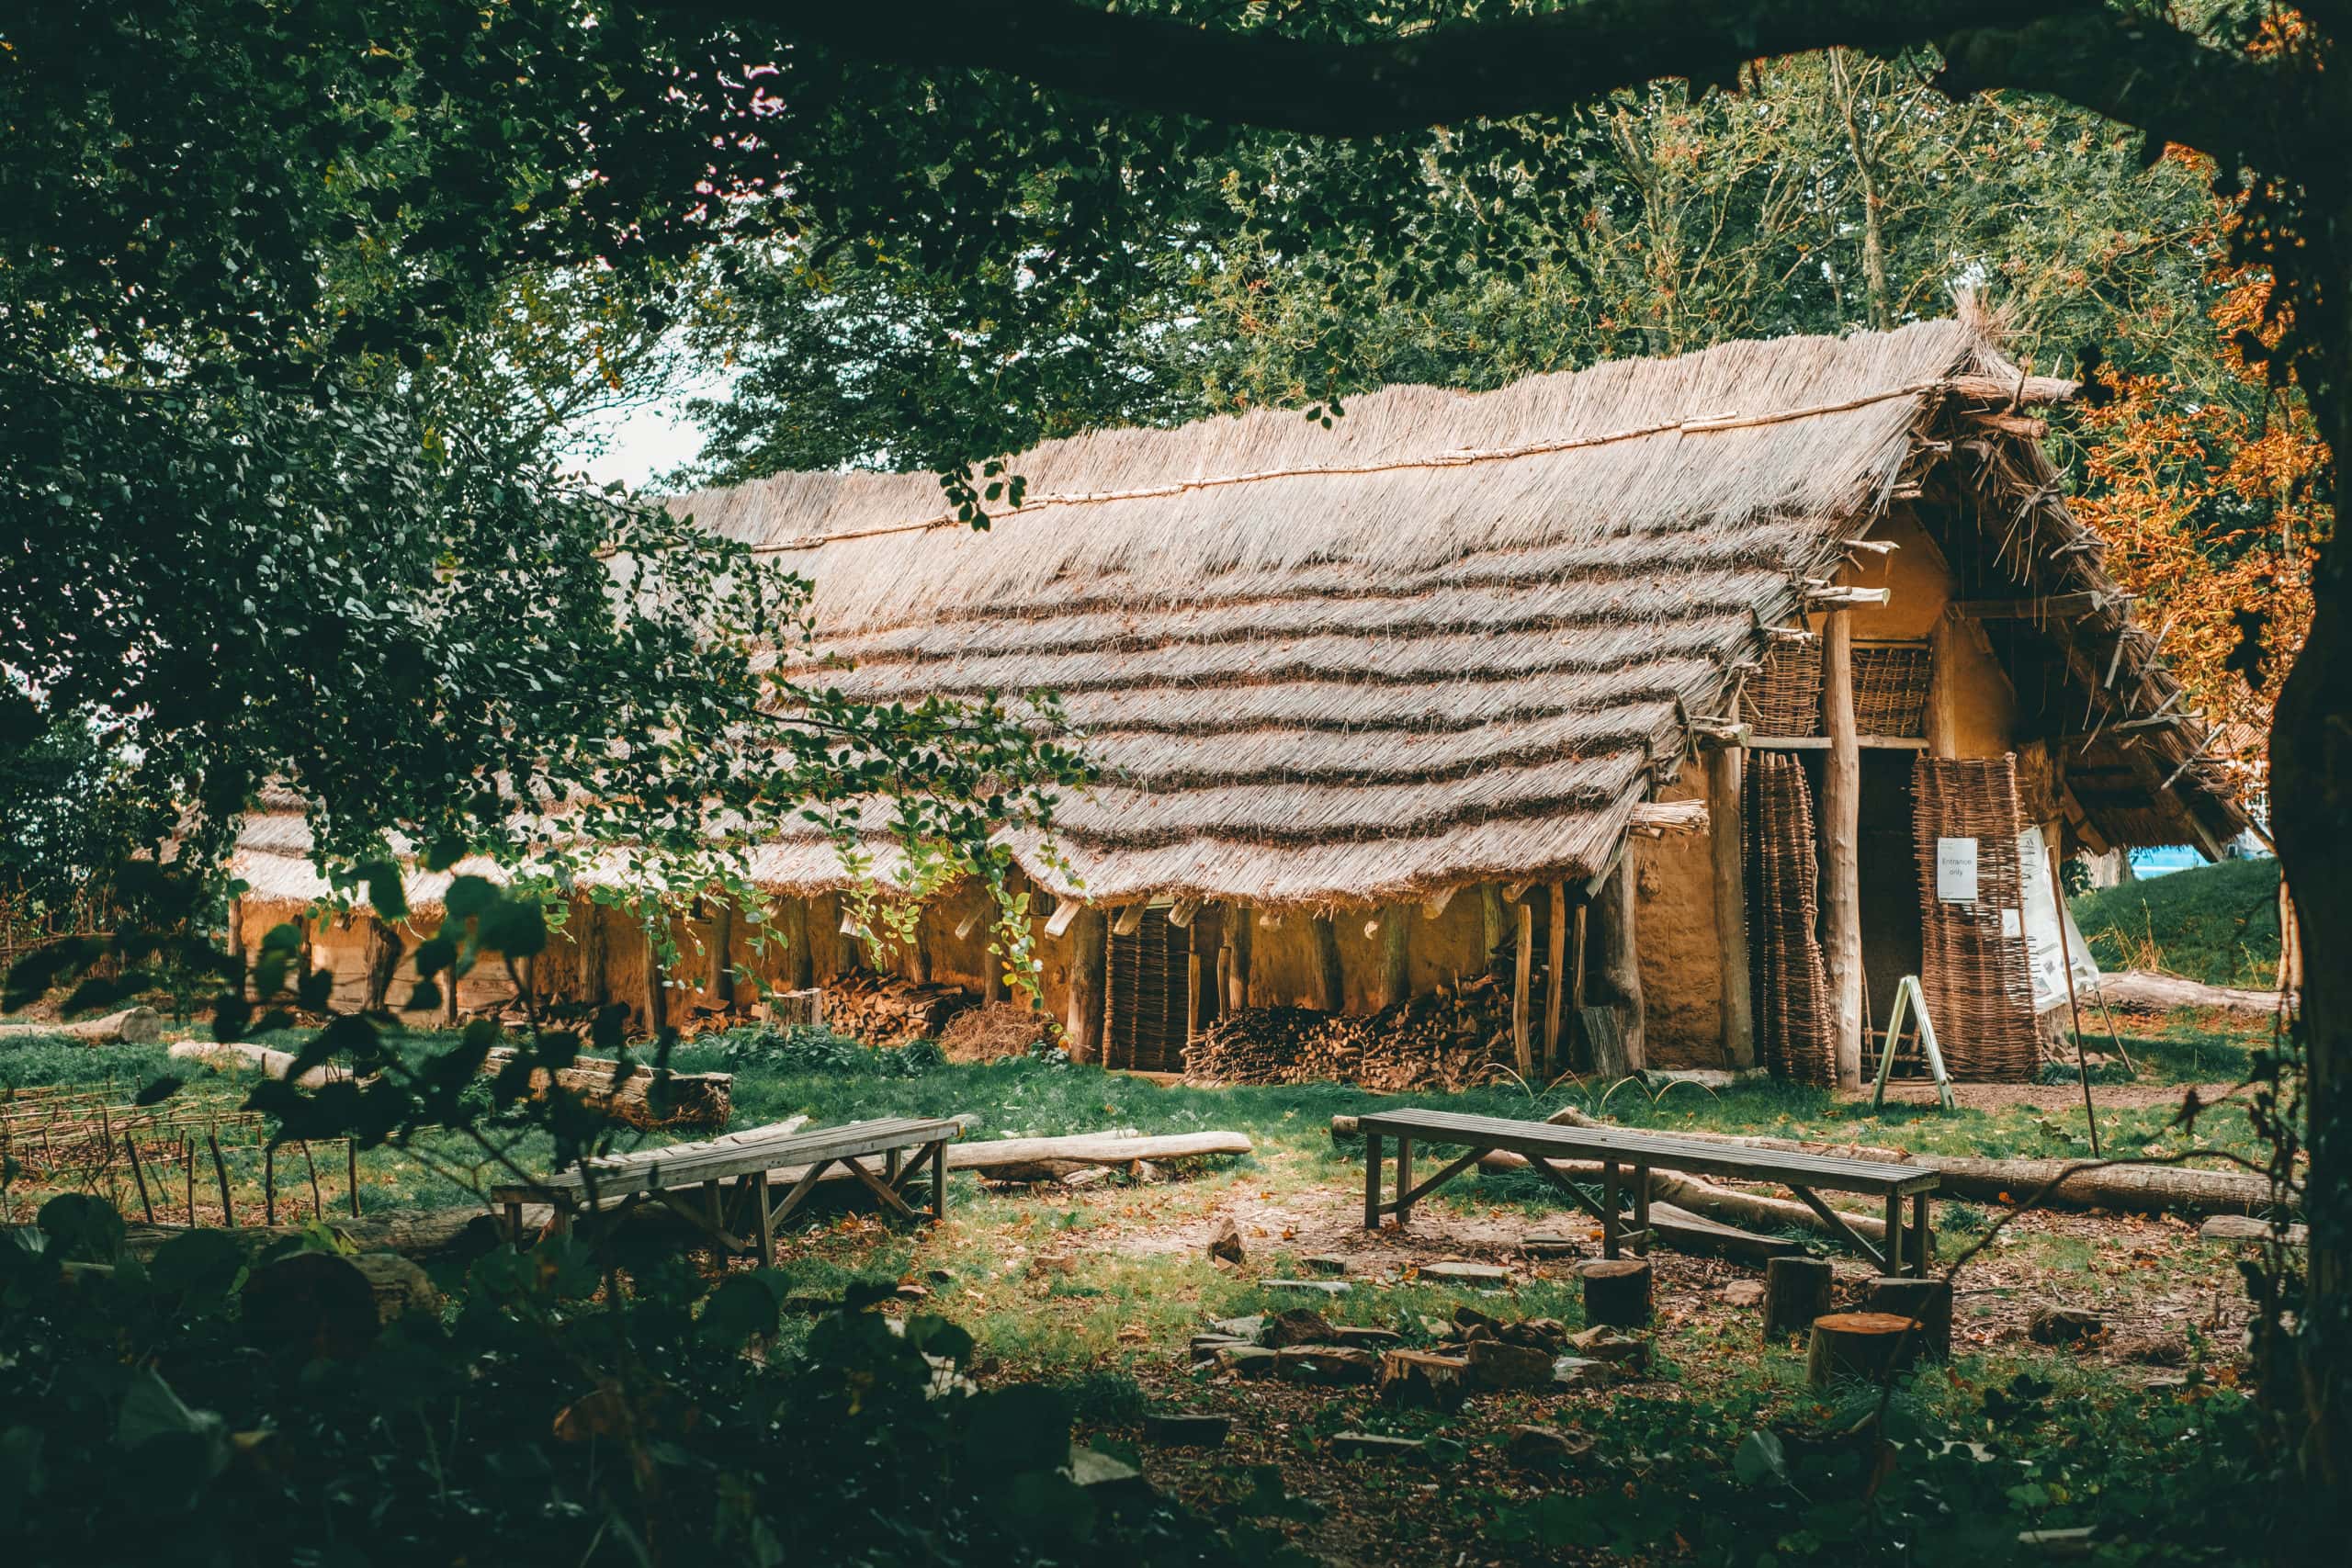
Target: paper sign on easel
2047 952
1956 870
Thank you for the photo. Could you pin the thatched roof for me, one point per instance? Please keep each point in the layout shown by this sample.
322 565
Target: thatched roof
1454 638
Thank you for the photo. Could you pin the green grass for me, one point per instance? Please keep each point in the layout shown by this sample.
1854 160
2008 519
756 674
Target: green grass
2217 924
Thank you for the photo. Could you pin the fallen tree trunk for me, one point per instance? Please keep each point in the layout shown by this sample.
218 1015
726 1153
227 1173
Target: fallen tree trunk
232 1055
2143 990
697 1099
1045 1159
131 1026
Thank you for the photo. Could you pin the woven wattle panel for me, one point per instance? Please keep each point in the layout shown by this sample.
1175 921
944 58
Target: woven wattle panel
1890 689
1786 972
1784 699
1973 966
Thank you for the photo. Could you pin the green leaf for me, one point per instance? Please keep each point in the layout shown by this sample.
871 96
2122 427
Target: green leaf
81 1228
1760 1458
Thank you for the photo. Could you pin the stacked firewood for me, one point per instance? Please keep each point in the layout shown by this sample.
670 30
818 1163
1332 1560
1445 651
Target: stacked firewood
1444 1039
886 1011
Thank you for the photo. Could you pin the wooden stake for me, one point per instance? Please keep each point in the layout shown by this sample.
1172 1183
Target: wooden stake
1523 962
1727 852
269 1184
1192 996
350 1173
131 1145
1556 985
2066 962
220 1175
187 1153
1841 801
318 1205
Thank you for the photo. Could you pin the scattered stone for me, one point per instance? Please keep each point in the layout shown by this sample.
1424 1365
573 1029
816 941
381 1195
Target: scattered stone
1419 1379
1497 1365
1247 1361
1742 1294
1539 1446
1366 1338
1248 1328
1299 1326
1224 1243
2157 1350
1466 1273
1579 1371
1325 1263
1095 1176
1373 1445
1331 1364
1605 1344
1325 1287
1466 1318
1545 1334
1107 1478
1206 1345
1549 1243
2065 1326
1186 1430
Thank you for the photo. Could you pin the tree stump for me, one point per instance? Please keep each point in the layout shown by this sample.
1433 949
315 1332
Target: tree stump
1617 1292
1867 1345
1929 1301
1796 1291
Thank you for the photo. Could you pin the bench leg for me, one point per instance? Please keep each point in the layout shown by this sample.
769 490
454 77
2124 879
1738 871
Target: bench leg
1372 1181
765 1223
1922 1234
1894 1264
1403 1180
939 1181
1641 1211
514 1226
1609 1208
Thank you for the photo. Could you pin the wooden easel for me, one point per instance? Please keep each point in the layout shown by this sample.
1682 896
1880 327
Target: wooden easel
1908 997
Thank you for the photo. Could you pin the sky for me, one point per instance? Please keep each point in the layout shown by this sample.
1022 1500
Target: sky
638 442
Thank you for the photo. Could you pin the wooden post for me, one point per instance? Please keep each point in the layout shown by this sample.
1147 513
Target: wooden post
1192 996
351 1173
268 1184
1523 963
318 1206
221 1176
594 988
1617 1292
1492 921
1841 802
1943 697
657 994
1864 1346
1926 1301
448 988
384 962
1575 962
1556 985
237 941
846 956
1620 958
920 948
1395 954
1726 834
799 959
1241 920
1329 994
1088 960
721 989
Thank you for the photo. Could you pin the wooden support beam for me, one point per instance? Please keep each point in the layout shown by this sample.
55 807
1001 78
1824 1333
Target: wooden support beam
1845 596
1130 920
1556 977
919 946
2048 607
1842 799
2017 391
1434 905
1727 854
1181 913
1943 688
1237 927
1066 910
1395 957
1618 944
1192 995
1523 962
1823 743
799 968
237 944
1329 994
1491 912
596 989
657 991
1089 977
846 932
721 988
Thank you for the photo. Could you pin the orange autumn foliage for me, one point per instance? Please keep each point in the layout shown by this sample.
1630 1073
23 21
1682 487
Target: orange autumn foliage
2214 508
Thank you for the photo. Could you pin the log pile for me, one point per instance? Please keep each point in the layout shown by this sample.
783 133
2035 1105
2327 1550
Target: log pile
1444 1039
885 1011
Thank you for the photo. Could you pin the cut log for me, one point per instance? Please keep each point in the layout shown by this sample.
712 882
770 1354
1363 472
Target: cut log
1045 1160
1617 1291
2141 991
1926 1301
1867 1345
1796 1291
131 1026
233 1055
695 1099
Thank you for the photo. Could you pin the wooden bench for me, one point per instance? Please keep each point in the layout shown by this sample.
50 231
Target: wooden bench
711 1183
1619 1149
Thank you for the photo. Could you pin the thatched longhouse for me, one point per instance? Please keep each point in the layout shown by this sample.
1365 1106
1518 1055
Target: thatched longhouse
1607 664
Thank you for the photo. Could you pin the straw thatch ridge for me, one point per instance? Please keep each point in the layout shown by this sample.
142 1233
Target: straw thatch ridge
1457 638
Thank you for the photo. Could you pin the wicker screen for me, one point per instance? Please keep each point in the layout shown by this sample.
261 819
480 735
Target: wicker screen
1979 989
1785 697
1891 688
1145 1004
1789 980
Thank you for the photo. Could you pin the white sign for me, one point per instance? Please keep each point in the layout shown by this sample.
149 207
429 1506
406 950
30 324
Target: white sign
2049 942
1956 870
